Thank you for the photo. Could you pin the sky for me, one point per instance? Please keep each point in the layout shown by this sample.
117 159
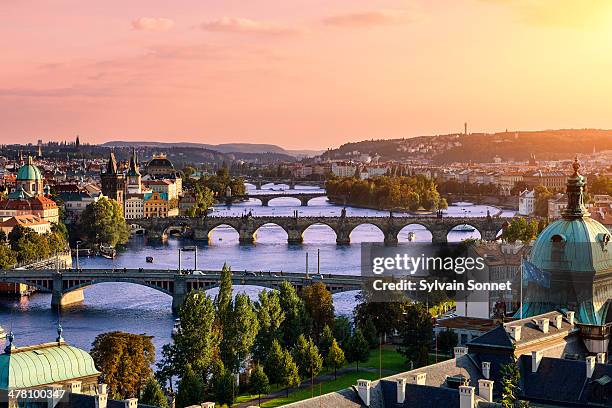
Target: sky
303 74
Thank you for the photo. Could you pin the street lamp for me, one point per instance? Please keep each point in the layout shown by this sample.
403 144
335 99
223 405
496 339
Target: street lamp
77 255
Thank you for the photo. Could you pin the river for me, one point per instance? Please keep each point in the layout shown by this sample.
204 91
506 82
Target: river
138 309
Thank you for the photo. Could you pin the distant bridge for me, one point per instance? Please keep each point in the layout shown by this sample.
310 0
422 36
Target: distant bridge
267 197
291 182
200 227
66 286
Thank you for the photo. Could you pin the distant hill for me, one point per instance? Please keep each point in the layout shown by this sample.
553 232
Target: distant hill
480 147
221 148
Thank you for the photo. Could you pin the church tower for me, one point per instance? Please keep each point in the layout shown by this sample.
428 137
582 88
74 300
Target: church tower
134 184
113 181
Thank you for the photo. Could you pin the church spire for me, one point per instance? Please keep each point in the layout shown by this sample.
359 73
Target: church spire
576 184
111 166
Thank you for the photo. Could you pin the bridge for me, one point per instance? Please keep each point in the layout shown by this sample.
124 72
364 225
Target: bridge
66 286
291 182
267 197
199 228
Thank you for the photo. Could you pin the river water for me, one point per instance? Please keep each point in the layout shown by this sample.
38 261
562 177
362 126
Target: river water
138 309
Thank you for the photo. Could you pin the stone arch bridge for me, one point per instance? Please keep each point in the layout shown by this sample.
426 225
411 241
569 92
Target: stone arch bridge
266 198
66 286
200 227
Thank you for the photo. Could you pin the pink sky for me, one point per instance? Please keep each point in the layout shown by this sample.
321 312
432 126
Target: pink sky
300 73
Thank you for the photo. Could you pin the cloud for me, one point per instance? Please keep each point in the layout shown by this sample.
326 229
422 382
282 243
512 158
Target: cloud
246 26
55 92
152 24
373 18
559 13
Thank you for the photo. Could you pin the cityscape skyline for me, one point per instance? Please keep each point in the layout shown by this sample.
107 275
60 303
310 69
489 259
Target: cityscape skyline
293 75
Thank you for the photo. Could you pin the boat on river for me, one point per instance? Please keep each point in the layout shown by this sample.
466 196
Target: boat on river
465 228
149 259
107 251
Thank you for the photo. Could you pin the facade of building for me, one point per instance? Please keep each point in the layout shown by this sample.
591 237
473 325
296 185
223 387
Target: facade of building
527 202
33 222
113 180
552 180
156 205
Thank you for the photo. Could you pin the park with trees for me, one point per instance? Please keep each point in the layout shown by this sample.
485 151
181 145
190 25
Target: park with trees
284 346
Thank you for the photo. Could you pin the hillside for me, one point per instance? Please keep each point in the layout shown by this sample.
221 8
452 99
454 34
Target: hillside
480 147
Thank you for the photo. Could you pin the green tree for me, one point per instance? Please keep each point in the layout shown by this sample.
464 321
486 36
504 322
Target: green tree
198 338
102 222
369 332
326 341
511 376
225 388
521 229
270 316
335 358
204 199
125 359
290 376
293 308
386 316
3 237
190 389
542 195
259 383
274 362
319 306
239 332
153 394
307 357
8 257
16 234
447 340
342 330
416 332
357 349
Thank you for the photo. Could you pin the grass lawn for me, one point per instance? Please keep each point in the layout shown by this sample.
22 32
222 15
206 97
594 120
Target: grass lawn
343 381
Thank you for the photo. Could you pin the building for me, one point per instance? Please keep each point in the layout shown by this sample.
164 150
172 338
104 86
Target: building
342 169
160 167
134 206
113 180
527 202
33 222
156 205
76 202
164 186
29 198
133 179
552 180
556 205
54 366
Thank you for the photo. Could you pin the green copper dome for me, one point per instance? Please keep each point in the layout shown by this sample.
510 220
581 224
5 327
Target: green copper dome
29 172
44 364
576 252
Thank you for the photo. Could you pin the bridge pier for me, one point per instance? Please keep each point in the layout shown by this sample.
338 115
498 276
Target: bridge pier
59 298
258 185
439 236
246 236
304 201
179 294
200 234
294 236
391 238
264 202
488 235
343 237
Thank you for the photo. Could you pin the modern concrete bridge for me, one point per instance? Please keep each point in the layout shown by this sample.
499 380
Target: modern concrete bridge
200 227
267 197
66 286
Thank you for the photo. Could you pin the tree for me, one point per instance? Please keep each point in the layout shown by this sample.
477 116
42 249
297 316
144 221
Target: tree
342 330
447 340
198 338
270 316
319 306
358 349
306 356
326 341
102 222
511 376
190 389
125 359
225 387
416 332
239 332
520 229
153 394
259 383
204 199
335 358
542 194
16 234
386 316
8 257
369 333
290 376
274 363
293 308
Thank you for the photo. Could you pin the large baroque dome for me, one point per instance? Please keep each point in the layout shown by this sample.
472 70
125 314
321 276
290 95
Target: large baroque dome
29 172
576 252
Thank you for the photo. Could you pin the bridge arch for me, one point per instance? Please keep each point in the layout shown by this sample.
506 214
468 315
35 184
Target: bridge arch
372 231
420 232
219 227
290 201
327 228
165 287
274 225
462 230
